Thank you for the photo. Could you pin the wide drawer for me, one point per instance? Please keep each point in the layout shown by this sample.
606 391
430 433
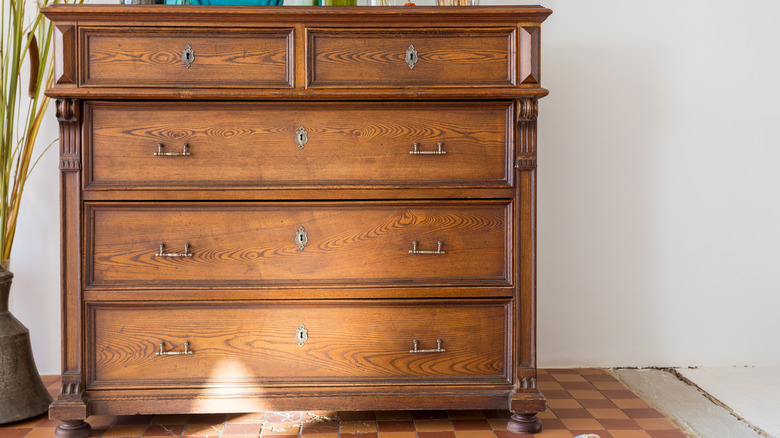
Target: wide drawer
276 343
280 145
180 58
197 245
446 57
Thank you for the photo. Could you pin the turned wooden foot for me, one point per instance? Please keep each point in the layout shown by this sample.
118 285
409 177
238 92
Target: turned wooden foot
73 429
527 423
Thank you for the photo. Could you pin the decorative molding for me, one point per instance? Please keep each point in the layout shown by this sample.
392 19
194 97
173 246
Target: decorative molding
529 54
527 110
528 383
526 163
69 116
71 391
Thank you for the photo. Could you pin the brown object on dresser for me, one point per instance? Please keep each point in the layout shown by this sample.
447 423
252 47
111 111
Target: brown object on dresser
297 208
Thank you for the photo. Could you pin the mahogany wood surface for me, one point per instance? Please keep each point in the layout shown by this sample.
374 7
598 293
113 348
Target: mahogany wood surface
297 120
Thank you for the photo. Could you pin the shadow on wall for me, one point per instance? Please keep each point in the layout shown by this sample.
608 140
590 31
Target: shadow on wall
596 251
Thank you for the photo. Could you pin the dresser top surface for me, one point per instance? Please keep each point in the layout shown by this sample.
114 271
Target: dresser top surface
204 15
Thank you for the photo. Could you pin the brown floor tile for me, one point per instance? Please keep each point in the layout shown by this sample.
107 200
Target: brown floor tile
397 435
673 433
551 385
569 403
125 430
569 378
433 425
208 419
97 421
582 423
15 432
352 427
619 394
281 429
609 386
590 371
604 377
586 395
475 424
564 413
41 432
129 420
98 431
164 430
202 429
552 424
643 413
238 436
245 418
655 423
282 417
597 403
630 403
544 378
359 435
609 414
630 434
24 424
497 413
319 435
242 429
583 386
439 434
316 428
546 414
474 434
498 423
395 426
619 424
555 371
556 394
552 434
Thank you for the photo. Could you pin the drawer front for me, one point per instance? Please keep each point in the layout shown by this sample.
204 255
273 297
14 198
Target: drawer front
411 57
252 58
251 244
259 145
273 342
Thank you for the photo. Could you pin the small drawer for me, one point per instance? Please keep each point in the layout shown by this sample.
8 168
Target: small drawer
177 58
275 343
135 146
442 57
202 245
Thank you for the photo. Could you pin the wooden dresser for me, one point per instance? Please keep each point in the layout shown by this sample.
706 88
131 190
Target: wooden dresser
289 208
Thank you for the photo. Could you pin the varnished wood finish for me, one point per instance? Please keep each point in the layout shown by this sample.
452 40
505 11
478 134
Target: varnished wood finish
246 186
445 57
153 58
254 343
254 244
253 145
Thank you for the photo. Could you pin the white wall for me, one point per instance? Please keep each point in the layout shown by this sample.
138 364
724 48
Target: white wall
659 202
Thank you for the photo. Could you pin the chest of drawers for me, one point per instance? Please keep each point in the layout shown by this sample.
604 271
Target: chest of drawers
297 208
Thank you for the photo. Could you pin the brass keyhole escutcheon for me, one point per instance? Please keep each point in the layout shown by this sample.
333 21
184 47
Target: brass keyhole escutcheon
301 335
301 238
187 56
411 56
301 137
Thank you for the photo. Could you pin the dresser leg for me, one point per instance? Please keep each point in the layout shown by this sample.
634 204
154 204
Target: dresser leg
73 429
527 423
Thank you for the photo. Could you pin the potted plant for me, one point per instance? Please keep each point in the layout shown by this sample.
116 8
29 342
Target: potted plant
25 45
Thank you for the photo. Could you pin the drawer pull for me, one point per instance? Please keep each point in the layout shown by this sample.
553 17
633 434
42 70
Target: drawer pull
415 251
411 56
416 151
161 153
438 348
187 56
186 252
162 351
301 137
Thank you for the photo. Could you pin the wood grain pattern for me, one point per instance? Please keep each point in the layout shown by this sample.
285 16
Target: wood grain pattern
254 244
222 57
255 343
253 145
447 57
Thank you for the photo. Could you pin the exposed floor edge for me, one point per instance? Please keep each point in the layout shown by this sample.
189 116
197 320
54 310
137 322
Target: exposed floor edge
716 401
695 412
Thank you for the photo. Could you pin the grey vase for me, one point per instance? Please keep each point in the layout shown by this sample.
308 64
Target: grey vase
22 393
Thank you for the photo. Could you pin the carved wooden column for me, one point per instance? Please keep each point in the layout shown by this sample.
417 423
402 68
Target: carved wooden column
524 419
70 402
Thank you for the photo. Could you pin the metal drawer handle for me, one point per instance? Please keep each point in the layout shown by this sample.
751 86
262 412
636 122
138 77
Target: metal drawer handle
161 153
411 56
431 350
186 252
415 251
416 151
162 351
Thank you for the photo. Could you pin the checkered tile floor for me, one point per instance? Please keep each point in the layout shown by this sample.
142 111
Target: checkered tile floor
580 401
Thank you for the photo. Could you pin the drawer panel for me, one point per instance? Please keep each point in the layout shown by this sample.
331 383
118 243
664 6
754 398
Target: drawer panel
453 57
258 145
262 342
248 58
251 244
